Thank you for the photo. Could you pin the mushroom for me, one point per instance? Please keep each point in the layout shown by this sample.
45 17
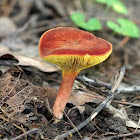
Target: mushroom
73 50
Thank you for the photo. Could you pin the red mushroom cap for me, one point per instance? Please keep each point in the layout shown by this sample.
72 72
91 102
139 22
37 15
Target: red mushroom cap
66 46
72 41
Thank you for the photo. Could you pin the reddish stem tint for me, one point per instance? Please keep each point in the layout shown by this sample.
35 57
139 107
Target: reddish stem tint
63 94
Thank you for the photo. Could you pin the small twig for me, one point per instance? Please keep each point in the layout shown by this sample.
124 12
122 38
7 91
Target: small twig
32 131
124 41
42 8
73 125
122 135
130 89
114 88
93 82
98 90
96 111
127 103
122 72
48 106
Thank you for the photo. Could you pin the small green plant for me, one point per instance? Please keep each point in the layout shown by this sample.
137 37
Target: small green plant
115 4
126 28
91 25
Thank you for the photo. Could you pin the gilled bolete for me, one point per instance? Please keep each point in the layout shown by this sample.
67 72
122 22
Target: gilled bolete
73 50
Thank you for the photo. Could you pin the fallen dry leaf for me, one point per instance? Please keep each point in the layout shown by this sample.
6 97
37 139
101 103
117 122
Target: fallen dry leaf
81 97
29 61
36 62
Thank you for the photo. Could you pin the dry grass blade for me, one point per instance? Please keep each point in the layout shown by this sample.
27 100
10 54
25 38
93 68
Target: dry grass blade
35 130
73 125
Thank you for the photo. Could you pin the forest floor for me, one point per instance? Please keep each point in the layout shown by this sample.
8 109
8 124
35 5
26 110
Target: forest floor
28 85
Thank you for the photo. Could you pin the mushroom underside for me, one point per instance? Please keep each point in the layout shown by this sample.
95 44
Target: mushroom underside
76 62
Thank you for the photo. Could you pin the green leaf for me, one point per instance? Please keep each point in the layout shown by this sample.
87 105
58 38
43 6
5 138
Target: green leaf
91 25
115 4
119 7
107 2
77 18
126 28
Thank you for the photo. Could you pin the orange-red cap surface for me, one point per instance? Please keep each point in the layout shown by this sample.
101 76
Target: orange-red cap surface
66 40
64 45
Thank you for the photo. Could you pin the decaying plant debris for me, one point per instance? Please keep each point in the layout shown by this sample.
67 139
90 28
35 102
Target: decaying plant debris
105 100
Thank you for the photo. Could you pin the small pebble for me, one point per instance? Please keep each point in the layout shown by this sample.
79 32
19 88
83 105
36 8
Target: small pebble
7 26
31 114
33 118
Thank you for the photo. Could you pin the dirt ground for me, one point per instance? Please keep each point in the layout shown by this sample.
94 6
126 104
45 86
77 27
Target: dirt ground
28 85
